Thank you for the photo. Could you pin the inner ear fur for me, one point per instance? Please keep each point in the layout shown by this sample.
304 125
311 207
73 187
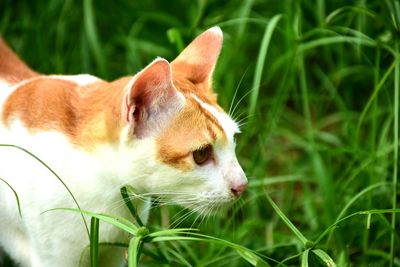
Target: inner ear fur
197 61
150 98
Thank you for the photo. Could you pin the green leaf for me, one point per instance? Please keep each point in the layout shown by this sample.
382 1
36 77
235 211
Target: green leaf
92 37
262 54
375 93
286 220
135 245
364 212
247 254
169 232
324 258
279 179
117 221
350 9
396 110
124 192
360 194
251 258
175 37
304 258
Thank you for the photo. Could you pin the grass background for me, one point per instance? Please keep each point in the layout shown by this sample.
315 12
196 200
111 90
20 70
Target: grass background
315 84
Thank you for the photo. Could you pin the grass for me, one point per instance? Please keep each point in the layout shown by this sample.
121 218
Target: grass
315 86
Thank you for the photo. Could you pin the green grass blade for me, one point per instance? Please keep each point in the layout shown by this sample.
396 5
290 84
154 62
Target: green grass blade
375 93
91 34
288 259
355 9
175 238
378 211
16 196
55 175
261 62
387 224
179 257
360 194
364 212
324 258
395 153
94 242
135 245
285 219
304 258
168 232
117 221
124 192
175 37
336 40
251 258
247 254
279 179
240 21
244 13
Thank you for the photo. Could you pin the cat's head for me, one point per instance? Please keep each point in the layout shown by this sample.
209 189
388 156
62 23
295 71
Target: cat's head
171 112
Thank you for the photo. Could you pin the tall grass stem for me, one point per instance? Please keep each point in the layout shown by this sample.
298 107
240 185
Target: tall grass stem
395 153
269 29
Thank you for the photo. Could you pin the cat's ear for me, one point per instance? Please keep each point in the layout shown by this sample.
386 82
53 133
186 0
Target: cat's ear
151 98
197 61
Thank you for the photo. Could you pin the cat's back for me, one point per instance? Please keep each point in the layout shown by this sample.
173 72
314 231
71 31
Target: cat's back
43 99
37 99
15 74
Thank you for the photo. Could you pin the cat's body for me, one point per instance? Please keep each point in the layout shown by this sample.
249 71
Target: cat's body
79 169
150 131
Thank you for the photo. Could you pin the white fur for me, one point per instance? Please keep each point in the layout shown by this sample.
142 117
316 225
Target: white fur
95 187
4 91
80 79
216 30
57 238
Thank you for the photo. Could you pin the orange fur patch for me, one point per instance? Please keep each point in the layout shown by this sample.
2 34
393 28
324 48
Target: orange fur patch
87 115
12 69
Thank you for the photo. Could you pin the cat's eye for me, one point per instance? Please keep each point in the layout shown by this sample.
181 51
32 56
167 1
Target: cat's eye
202 155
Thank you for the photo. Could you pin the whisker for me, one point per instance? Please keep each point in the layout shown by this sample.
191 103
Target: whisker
184 217
241 99
183 210
236 90
195 210
242 121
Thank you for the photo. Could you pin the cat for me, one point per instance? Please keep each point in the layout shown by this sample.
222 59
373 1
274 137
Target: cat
160 131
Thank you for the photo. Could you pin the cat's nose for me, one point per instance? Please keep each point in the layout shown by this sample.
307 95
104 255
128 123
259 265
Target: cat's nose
239 188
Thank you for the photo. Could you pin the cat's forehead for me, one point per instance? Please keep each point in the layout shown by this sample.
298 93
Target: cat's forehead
226 124
202 91
205 100
198 124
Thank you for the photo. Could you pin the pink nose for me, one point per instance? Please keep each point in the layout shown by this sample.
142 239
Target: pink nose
238 189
